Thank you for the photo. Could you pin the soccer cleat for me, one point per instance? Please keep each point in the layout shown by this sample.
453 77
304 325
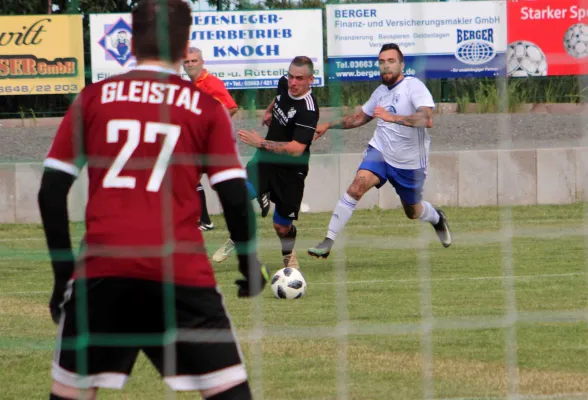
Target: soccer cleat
223 253
264 204
290 261
322 250
206 227
442 229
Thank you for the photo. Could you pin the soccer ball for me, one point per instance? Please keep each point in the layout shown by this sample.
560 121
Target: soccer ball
288 283
576 40
525 58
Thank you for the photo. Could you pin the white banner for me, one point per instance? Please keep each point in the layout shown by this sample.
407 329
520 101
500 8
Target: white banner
246 49
444 39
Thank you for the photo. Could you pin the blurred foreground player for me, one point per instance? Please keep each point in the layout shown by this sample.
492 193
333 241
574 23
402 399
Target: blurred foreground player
147 136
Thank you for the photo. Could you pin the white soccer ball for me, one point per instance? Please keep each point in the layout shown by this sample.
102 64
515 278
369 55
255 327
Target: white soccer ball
288 283
576 40
525 58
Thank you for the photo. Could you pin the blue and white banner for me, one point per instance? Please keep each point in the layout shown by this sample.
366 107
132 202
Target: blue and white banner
245 49
439 40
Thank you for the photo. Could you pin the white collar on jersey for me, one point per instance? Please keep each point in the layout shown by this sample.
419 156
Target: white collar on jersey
301 97
155 68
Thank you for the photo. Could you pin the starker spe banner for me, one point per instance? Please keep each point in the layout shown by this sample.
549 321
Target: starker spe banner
547 38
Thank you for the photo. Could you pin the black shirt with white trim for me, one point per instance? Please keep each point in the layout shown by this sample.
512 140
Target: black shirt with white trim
293 118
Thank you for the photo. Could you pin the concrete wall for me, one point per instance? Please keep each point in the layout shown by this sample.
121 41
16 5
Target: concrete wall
464 178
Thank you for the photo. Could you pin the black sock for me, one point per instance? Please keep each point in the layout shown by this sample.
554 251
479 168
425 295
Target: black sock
204 217
288 241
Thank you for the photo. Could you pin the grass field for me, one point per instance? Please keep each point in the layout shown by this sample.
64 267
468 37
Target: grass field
390 315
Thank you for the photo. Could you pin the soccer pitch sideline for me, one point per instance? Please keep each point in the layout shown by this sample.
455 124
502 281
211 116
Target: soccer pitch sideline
397 281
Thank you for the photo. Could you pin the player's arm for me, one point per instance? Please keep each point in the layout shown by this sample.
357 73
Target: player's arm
422 118
293 148
350 121
354 120
62 166
227 178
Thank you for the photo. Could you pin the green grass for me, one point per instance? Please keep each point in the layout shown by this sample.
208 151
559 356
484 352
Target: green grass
371 288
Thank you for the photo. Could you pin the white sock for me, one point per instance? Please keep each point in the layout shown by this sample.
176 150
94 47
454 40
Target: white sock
341 214
429 213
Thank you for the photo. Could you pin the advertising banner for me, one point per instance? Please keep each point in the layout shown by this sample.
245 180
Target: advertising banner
439 40
41 54
547 38
245 49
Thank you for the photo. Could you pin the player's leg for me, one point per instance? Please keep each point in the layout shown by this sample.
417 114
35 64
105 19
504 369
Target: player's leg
206 355
409 186
287 191
370 173
286 231
223 252
102 366
205 222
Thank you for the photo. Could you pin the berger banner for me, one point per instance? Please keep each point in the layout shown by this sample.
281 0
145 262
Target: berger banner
245 49
547 37
439 40
41 54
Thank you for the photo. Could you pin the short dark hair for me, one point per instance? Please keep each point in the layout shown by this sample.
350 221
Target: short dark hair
146 36
392 46
301 61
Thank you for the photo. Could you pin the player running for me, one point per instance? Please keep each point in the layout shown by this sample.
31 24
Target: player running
280 165
398 151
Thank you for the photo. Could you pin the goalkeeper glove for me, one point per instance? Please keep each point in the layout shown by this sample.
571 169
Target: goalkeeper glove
255 275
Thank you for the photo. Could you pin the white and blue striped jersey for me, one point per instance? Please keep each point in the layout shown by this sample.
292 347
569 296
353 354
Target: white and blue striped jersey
402 146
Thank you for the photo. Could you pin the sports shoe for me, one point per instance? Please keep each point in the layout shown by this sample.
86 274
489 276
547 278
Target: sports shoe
442 229
222 254
290 261
264 204
206 227
322 250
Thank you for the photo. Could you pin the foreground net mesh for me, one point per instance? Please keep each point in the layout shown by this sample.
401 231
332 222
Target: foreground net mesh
352 377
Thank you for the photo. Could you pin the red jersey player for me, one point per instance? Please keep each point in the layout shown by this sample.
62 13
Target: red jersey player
146 136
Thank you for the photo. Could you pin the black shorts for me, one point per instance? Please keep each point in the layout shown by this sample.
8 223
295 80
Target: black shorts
285 186
111 319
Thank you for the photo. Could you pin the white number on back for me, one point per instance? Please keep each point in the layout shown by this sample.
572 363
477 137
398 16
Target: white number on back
112 179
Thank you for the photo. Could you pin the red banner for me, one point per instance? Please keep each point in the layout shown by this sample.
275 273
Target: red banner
547 37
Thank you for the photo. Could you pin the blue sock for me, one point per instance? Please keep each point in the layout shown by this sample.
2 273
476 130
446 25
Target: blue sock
251 189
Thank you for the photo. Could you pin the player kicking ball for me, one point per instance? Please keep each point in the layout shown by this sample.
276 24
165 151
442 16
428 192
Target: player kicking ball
397 152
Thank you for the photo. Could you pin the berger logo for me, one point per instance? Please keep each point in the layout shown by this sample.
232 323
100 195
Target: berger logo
475 47
117 42
391 109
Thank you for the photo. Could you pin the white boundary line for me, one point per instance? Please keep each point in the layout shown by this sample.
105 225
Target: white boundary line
375 281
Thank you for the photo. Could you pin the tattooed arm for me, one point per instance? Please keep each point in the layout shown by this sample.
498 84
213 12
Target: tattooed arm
422 118
347 122
292 148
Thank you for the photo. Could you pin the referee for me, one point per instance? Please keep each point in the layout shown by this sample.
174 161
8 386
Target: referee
209 84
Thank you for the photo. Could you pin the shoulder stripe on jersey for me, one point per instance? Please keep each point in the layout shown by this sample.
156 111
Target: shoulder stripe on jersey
309 102
305 126
226 175
62 166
